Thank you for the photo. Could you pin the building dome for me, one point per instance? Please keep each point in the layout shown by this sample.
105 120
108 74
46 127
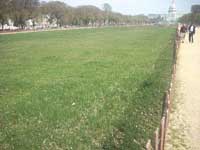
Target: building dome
172 7
172 12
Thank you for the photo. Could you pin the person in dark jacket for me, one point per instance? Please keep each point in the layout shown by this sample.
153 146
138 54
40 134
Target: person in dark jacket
192 31
183 31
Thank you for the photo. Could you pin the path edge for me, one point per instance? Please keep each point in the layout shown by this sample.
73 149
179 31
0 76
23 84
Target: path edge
158 140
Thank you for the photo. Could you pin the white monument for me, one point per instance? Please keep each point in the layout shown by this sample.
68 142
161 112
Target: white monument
172 14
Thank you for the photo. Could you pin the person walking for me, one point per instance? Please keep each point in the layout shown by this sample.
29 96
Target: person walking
192 31
183 31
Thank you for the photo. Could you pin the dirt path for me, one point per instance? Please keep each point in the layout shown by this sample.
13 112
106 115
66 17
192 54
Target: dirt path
62 29
57 29
184 127
45 30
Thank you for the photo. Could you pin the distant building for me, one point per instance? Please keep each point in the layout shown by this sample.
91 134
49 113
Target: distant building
172 13
169 18
156 16
153 16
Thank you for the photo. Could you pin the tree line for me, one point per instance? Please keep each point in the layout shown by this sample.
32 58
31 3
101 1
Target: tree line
193 17
20 11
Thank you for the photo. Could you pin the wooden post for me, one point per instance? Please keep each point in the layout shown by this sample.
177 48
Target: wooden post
169 105
170 93
156 142
172 77
166 100
170 89
174 68
148 146
167 119
176 43
162 133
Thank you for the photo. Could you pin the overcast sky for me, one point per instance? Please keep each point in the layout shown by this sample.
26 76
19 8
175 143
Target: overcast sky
137 6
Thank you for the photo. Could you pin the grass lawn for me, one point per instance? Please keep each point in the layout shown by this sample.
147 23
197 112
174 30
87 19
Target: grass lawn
83 89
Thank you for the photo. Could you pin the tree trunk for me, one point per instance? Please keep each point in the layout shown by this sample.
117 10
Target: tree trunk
2 25
33 24
22 26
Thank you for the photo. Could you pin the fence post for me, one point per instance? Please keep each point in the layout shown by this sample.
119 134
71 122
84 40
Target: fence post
169 105
148 146
170 89
156 142
167 119
174 70
169 95
173 76
162 133
167 100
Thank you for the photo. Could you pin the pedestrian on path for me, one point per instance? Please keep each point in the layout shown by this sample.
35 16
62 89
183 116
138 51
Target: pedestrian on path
183 31
192 31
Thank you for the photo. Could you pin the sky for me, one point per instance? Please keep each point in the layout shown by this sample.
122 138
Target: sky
134 7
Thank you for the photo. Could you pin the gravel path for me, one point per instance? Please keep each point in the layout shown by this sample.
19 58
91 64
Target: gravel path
44 30
184 127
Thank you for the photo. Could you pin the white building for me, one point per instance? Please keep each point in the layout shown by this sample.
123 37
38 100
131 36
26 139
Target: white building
172 13
169 18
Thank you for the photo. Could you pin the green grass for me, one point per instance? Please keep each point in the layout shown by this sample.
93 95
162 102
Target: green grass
83 89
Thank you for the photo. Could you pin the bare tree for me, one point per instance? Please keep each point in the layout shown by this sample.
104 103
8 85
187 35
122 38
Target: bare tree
4 12
107 7
23 10
57 11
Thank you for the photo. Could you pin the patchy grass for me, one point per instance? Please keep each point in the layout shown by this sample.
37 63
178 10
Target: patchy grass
83 89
